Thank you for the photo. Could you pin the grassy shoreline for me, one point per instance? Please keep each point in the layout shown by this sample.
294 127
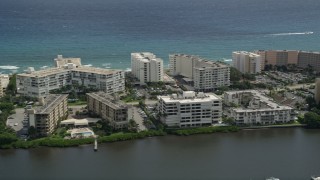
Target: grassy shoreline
62 143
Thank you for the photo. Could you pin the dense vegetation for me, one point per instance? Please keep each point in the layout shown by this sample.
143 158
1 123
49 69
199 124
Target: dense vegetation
204 130
311 119
12 142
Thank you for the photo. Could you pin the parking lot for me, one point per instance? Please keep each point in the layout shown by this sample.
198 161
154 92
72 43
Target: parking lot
138 116
18 121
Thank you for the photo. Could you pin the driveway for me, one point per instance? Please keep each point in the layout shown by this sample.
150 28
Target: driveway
133 113
16 121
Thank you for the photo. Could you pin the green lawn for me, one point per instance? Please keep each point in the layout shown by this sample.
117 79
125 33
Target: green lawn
77 103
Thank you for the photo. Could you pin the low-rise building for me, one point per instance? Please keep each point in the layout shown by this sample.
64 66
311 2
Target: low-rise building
253 107
40 83
206 75
46 117
146 67
108 108
190 109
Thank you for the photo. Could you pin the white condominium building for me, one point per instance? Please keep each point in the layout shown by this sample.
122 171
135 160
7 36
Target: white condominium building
206 75
108 108
190 109
253 107
4 80
46 117
146 67
39 83
246 62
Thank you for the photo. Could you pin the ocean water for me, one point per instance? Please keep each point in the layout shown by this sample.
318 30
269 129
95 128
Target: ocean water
33 32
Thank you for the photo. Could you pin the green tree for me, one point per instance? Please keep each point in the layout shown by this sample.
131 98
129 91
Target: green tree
312 120
235 75
7 138
32 131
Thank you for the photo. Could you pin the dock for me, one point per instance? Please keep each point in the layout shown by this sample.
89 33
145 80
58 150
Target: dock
95 148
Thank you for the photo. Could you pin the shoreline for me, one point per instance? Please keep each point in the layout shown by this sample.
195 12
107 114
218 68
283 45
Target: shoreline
118 137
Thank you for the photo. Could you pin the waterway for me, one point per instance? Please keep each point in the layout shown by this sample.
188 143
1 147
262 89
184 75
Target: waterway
291 153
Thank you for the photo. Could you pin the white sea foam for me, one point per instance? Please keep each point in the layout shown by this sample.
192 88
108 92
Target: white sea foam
294 33
107 65
128 69
87 65
227 60
9 67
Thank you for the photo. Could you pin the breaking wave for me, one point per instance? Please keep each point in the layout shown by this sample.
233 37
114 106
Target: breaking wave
9 67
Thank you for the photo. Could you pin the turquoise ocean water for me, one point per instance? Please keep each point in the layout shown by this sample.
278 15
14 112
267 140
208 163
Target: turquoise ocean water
105 32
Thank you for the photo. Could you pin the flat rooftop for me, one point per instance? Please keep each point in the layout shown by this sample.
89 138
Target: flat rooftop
50 102
53 71
201 62
145 57
247 53
108 100
256 94
190 97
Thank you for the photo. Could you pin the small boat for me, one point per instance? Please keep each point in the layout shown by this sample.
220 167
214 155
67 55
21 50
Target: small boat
272 178
315 178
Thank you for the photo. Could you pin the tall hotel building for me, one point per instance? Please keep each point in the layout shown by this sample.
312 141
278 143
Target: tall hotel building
278 57
108 108
306 59
190 109
39 83
246 62
46 117
206 75
146 67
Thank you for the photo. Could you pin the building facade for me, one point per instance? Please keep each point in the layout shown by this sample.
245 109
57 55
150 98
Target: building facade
253 107
4 80
108 108
206 75
190 109
246 62
45 118
146 67
317 91
278 57
309 59
40 83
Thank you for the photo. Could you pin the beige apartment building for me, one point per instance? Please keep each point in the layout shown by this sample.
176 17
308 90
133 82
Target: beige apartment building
108 108
46 117
278 57
311 59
